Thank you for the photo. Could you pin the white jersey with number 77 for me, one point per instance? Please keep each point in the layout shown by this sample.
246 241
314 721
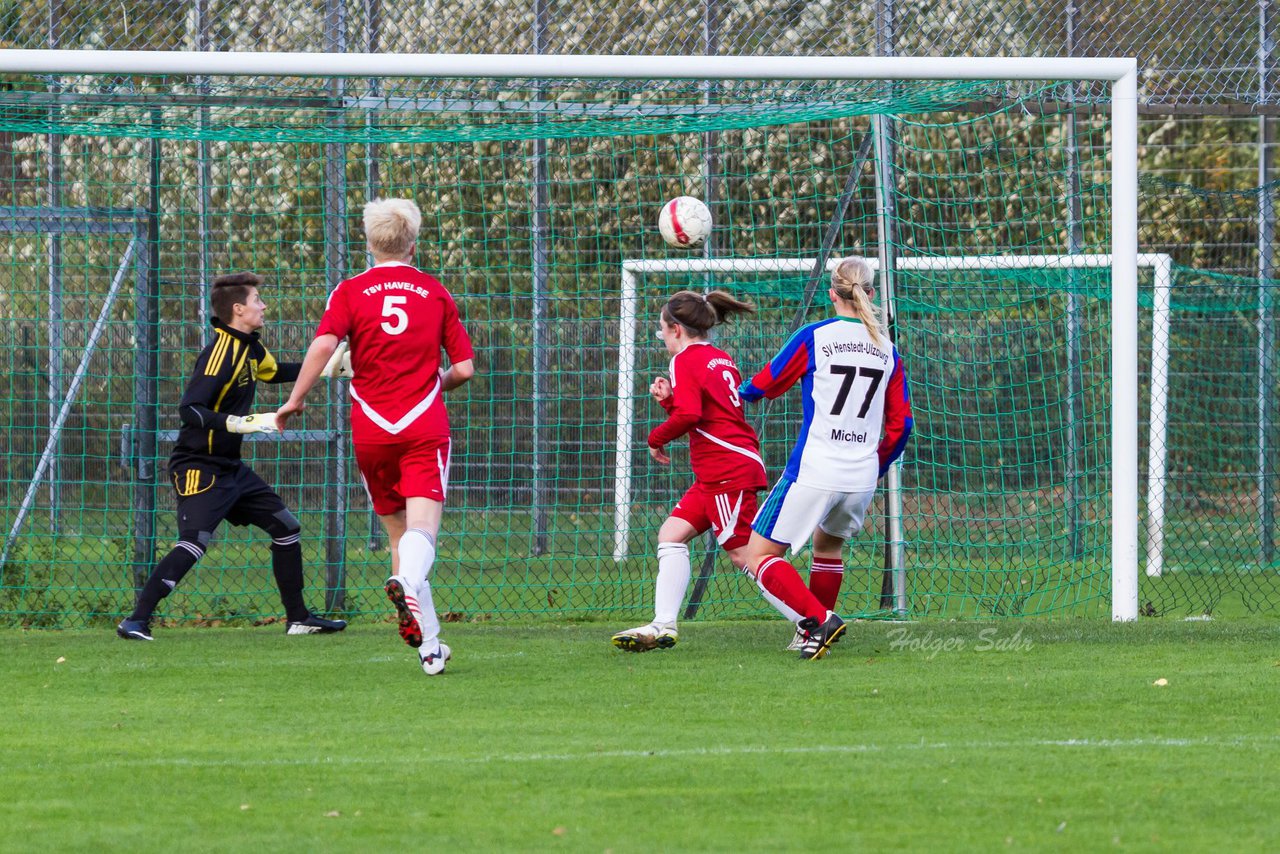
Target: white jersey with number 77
857 408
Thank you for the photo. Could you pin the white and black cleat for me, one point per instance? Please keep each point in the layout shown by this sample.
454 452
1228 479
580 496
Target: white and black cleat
314 625
433 662
139 630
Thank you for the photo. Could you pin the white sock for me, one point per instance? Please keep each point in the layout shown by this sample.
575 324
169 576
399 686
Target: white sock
427 619
673 580
777 603
417 556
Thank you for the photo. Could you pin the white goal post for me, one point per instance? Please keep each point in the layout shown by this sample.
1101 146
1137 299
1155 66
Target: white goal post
1118 74
1122 469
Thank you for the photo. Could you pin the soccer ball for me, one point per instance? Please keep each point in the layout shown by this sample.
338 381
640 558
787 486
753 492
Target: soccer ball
684 222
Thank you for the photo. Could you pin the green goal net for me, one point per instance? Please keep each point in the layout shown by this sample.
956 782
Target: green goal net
124 195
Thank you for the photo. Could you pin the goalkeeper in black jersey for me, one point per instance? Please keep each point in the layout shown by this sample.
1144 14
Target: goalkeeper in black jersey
211 481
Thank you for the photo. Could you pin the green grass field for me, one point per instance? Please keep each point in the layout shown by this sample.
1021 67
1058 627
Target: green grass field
936 735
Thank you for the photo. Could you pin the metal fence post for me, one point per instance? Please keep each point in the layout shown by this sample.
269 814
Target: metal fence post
335 242
372 181
1075 245
893 590
54 195
1266 298
541 261
146 372
711 192
204 176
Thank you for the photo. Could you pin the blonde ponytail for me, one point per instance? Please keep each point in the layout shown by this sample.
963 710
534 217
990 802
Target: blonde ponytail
854 282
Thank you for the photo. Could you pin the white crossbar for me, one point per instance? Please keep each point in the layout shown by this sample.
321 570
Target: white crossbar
229 63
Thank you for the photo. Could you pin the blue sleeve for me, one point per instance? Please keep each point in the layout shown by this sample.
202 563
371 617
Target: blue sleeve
784 370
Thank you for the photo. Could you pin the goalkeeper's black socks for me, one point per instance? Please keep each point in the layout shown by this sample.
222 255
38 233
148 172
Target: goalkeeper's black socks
164 578
286 563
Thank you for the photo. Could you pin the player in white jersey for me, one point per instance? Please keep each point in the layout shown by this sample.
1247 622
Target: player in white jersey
857 417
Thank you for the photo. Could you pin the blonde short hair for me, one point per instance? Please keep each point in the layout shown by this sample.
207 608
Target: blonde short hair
391 227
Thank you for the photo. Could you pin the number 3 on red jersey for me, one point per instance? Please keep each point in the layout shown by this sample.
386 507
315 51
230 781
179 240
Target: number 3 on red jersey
733 388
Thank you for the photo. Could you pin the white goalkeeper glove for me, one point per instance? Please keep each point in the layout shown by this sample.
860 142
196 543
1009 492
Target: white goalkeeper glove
263 422
339 364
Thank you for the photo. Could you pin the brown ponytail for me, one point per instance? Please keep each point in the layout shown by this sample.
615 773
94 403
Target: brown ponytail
698 313
854 282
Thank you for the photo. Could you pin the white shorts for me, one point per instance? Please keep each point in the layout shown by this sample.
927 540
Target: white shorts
792 511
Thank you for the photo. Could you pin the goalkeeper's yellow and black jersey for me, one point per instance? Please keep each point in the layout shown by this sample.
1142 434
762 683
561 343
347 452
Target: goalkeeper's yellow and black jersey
223 383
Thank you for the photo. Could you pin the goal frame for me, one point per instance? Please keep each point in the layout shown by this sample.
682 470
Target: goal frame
1118 73
1161 266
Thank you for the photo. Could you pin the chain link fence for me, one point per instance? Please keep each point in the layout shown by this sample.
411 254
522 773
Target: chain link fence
1207 94
1200 57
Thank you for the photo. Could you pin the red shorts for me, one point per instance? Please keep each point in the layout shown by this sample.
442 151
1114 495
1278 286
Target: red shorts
413 469
727 514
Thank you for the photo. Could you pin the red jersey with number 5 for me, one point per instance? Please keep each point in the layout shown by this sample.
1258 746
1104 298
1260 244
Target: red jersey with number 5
704 403
396 320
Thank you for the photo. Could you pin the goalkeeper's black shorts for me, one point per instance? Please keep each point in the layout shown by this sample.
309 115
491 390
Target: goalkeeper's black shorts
207 495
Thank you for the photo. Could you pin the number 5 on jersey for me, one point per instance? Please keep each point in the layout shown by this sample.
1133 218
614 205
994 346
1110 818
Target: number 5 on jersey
391 308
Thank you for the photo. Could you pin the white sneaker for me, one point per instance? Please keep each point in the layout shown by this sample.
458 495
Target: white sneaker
433 662
797 642
645 638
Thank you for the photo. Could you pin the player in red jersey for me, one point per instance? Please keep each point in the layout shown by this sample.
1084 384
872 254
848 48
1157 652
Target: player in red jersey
396 320
701 399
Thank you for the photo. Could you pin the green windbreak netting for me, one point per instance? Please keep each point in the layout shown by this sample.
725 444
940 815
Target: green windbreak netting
397 110
124 196
1219 452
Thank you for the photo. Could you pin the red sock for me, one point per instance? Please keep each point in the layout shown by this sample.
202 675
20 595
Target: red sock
781 579
824 580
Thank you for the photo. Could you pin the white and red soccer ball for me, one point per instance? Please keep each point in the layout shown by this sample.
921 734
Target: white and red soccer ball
685 222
